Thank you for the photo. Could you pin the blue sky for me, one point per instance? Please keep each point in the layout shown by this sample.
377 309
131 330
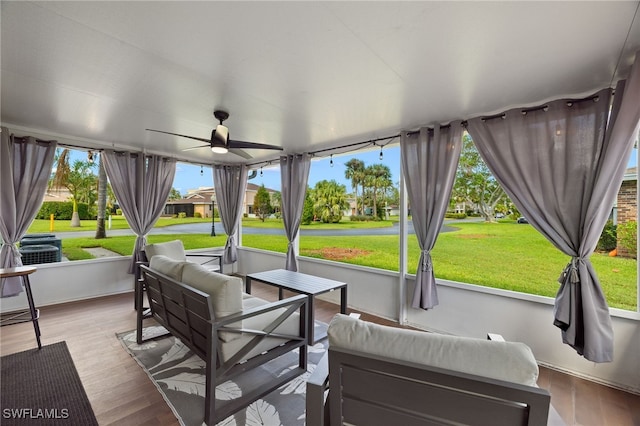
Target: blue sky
188 176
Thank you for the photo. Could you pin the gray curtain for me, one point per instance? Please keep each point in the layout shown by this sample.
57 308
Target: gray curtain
25 168
230 182
429 162
141 185
562 166
294 172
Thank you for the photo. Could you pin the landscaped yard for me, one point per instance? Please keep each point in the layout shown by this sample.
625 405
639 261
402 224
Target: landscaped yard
504 255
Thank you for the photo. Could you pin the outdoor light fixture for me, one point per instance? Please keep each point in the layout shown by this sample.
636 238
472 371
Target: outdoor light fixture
381 156
90 157
219 139
331 162
201 171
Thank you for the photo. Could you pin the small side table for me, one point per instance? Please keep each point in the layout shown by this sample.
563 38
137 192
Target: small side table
21 316
301 284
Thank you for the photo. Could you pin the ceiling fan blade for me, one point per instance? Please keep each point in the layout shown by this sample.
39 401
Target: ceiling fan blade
195 147
251 145
182 136
241 153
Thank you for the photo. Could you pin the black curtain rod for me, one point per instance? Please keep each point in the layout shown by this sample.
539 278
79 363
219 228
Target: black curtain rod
364 143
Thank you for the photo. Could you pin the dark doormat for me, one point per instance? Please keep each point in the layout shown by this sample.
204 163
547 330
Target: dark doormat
42 387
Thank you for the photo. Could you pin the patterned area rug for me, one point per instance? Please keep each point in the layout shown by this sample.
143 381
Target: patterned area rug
179 376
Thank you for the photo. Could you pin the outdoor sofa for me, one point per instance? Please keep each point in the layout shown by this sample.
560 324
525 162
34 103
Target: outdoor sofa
232 331
379 375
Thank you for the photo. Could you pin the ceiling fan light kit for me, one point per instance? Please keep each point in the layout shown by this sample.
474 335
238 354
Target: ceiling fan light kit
220 142
220 139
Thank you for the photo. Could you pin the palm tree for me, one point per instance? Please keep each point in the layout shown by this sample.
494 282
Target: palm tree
355 172
62 169
78 179
330 200
379 178
101 231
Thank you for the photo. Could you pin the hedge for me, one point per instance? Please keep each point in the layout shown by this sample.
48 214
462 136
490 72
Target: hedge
63 210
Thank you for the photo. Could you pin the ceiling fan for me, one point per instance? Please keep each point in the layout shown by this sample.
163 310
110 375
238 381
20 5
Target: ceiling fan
220 142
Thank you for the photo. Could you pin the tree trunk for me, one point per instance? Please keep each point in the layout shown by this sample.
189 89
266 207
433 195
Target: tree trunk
75 217
75 220
375 202
101 231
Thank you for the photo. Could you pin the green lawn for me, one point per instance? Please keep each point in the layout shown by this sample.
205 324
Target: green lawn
502 255
117 222
40 226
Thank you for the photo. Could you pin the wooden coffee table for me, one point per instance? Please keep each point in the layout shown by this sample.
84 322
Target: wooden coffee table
302 284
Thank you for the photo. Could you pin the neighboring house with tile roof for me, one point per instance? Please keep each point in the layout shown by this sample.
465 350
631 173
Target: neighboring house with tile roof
199 201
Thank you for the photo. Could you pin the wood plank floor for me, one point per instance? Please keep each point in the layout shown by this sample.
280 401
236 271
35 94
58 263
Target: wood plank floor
121 393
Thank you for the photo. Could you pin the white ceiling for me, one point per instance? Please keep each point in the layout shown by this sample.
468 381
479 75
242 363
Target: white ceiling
302 75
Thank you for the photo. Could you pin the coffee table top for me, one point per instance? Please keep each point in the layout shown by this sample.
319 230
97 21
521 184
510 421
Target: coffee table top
296 281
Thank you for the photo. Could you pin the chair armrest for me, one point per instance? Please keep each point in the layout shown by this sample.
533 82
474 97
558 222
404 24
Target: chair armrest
211 257
317 384
289 305
229 319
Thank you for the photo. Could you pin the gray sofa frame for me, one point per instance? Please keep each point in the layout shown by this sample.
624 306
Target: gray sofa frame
188 315
372 390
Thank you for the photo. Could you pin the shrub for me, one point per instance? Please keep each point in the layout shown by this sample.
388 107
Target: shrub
455 215
627 237
119 212
62 210
608 239
307 210
197 214
182 215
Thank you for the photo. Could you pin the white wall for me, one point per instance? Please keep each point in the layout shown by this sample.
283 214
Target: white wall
474 311
471 311
54 283
379 296
463 309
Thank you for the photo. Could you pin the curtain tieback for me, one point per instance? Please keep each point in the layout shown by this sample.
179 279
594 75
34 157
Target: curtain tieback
14 249
427 266
571 270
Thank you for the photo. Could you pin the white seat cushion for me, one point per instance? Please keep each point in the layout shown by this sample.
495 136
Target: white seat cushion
509 361
290 326
172 249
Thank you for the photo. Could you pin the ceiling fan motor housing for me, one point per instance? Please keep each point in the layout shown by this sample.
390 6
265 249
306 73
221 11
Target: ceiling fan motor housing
220 139
221 115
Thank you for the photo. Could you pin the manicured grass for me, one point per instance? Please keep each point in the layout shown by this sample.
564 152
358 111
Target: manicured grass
72 247
117 222
345 223
505 255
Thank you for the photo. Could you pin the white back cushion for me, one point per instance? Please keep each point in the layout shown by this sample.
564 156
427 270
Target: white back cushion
167 266
172 249
509 361
225 291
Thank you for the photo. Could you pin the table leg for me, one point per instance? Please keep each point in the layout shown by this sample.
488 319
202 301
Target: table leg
312 320
247 284
32 309
343 300
280 293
